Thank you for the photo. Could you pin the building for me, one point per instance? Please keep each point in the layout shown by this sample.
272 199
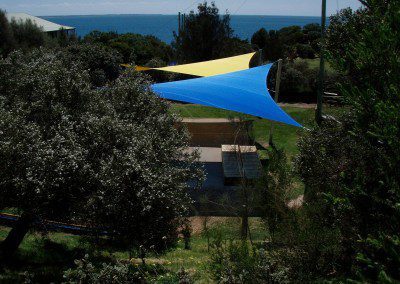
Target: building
50 28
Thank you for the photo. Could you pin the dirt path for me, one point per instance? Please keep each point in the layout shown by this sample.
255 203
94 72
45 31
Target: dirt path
296 203
299 105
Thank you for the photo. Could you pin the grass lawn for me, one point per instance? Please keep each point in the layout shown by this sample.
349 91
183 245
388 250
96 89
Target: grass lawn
46 257
284 136
314 64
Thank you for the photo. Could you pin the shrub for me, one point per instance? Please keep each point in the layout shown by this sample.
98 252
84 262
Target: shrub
274 189
90 271
237 262
350 167
7 40
109 158
102 63
27 34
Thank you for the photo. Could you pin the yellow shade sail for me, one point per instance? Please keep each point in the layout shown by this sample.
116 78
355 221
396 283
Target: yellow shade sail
209 68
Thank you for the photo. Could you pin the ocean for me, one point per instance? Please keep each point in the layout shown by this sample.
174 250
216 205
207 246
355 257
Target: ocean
162 26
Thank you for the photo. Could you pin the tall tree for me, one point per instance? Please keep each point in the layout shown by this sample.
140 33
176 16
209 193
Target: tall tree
27 34
351 168
110 158
206 35
103 63
7 41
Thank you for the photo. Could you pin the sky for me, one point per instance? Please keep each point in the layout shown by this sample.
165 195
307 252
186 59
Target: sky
235 7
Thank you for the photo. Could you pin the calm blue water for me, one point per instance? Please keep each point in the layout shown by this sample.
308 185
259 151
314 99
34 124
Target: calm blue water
162 26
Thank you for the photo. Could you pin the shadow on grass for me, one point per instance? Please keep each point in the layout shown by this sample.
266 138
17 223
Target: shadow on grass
44 260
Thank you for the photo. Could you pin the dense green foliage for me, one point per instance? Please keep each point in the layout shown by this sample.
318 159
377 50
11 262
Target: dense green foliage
117 272
351 168
27 34
299 79
348 227
274 190
207 35
290 42
102 63
134 48
110 158
238 262
7 40
19 35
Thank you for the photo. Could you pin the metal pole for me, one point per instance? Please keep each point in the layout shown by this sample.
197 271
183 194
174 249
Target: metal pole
276 97
260 57
179 23
321 79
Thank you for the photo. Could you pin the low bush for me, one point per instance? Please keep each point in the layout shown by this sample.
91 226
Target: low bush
88 271
239 262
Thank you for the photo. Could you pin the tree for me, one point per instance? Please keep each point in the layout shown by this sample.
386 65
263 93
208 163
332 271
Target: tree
134 48
109 158
27 34
292 42
102 63
312 36
274 187
260 38
7 40
204 36
344 27
351 168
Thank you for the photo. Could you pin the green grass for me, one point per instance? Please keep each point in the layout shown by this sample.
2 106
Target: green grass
48 257
314 64
284 136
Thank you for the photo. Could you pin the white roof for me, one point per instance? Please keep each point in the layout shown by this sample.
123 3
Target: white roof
47 26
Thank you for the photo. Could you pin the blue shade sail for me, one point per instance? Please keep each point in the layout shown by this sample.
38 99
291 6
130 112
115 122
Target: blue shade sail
242 91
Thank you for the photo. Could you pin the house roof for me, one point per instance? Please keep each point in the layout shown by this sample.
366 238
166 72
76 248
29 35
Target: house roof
47 26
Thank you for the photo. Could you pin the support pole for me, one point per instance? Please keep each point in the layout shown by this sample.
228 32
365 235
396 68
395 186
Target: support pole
260 57
179 23
276 97
321 77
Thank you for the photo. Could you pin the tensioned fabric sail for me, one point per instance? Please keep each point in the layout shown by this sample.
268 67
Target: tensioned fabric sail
242 91
208 68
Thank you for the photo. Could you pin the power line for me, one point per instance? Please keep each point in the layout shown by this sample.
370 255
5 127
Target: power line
240 7
191 5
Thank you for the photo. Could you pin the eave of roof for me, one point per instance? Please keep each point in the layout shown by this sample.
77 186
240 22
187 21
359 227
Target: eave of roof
47 26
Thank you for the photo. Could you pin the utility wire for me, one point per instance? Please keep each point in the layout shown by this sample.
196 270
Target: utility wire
191 5
240 7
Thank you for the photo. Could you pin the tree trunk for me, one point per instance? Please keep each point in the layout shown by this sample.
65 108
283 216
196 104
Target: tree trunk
244 230
16 236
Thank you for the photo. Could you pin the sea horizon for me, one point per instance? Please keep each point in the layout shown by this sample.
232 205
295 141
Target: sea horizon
162 26
158 14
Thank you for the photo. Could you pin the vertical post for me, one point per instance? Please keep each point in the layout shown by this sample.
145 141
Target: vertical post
321 79
276 97
179 23
260 57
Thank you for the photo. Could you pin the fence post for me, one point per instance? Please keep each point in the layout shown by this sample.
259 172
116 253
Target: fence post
276 97
321 79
